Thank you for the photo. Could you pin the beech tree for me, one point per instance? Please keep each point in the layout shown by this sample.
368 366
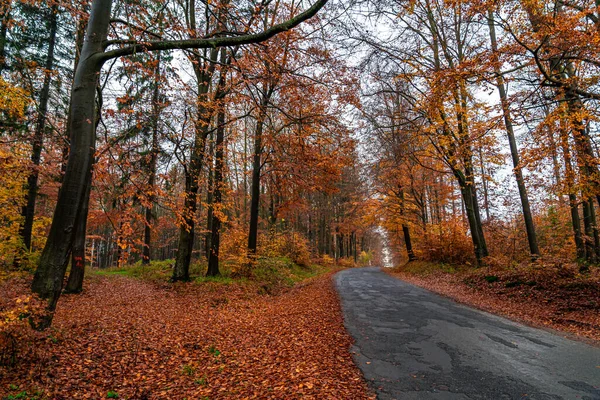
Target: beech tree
514 152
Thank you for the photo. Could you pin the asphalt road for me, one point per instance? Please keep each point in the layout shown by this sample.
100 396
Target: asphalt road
413 344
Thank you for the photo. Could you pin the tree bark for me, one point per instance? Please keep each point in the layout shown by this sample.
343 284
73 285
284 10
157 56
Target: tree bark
215 240
48 278
570 176
75 281
405 230
213 259
586 162
256 170
209 196
154 151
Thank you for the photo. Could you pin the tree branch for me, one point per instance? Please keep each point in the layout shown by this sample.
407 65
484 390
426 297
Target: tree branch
205 43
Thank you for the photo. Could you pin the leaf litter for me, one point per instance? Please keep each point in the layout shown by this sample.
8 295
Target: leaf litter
137 340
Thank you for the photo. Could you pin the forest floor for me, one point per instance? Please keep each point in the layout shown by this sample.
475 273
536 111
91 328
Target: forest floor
131 338
556 297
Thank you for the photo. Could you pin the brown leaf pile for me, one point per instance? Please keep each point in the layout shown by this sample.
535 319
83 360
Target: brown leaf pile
543 296
195 341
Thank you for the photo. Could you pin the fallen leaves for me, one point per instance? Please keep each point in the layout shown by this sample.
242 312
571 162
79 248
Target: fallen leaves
142 341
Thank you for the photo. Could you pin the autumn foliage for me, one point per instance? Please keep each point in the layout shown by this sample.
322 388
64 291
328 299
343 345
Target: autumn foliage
232 139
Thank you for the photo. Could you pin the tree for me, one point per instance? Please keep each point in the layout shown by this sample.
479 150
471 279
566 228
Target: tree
217 211
514 152
28 211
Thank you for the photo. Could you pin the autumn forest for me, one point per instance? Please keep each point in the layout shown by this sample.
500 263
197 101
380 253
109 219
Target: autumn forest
225 153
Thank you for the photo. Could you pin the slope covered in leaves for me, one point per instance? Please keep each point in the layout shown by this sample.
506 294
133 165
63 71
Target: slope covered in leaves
542 295
137 340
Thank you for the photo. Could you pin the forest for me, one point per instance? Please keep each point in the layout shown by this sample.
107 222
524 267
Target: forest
202 143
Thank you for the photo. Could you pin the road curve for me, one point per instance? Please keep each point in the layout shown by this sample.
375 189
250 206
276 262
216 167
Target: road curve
413 344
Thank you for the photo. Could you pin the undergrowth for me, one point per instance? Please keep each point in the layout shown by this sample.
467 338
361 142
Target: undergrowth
425 268
270 273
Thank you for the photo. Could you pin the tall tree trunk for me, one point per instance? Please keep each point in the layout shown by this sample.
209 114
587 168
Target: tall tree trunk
181 271
48 278
466 182
405 230
554 154
570 181
4 21
75 281
209 195
587 165
484 250
484 183
354 246
215 240
154 151
470 189
28 211
255 188
213 259
589 219
469 198
256 170
79 38
514 151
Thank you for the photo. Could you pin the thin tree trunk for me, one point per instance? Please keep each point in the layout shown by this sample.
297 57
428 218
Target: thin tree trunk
470 206
514 151
28 211
470 190
586 161
4 21
193 170
405 230
255 188
570 176
154 150
590 231
215 240
209 195
256 171
484 183
213 259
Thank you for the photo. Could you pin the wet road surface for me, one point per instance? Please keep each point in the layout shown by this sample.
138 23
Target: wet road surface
413 344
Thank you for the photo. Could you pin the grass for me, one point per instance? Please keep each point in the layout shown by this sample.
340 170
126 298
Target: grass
22 395
271 273
157 270
277 272
425 268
